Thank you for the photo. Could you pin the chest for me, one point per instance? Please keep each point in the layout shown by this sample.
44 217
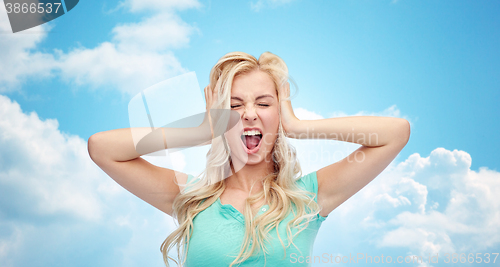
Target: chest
238 201
219 232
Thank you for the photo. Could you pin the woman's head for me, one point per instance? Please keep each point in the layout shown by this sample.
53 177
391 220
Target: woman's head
249 86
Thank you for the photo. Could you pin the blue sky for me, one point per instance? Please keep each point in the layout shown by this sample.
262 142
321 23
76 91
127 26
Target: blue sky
434 63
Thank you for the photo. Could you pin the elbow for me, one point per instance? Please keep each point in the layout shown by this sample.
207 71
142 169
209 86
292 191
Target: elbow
93 147
404 131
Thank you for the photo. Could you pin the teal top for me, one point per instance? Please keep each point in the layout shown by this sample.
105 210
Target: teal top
218 233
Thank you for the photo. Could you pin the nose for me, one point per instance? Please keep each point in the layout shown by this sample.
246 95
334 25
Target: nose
249 114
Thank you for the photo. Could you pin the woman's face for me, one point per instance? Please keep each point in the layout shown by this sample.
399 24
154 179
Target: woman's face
254 97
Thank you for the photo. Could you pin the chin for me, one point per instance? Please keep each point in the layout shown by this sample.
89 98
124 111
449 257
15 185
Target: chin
243 159
259 157
255 159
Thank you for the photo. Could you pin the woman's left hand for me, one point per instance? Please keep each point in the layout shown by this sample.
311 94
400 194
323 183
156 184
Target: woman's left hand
288 118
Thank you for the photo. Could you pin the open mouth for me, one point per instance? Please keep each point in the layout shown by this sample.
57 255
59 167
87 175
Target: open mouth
251 140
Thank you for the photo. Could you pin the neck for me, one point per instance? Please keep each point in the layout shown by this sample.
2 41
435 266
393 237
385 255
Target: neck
249 178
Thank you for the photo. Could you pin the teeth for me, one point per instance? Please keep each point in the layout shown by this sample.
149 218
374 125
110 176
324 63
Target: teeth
253 132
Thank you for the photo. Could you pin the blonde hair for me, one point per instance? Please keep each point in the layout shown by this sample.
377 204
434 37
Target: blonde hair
279 187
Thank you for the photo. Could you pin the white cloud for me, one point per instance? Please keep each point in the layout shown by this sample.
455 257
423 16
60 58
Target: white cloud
106 66
157 33
43 172
394 202
304 114
10 244
51 193
138 55
391 111
427 242
17 58
426 205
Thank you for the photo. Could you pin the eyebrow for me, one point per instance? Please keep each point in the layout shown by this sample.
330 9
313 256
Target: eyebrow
257 98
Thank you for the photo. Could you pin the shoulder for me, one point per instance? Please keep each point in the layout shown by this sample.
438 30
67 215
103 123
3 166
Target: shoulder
309 182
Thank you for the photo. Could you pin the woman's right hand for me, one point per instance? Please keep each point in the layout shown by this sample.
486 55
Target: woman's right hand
210 99
219 120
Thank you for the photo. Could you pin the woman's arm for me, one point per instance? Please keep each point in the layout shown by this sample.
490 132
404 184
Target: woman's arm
118 153
370 131
382 138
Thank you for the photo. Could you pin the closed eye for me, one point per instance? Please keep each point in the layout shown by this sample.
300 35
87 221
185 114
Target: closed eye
262 105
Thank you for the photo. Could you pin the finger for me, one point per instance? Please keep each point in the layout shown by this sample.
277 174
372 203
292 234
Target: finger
210 100
285 88
206 97
210 97
217 85
215 92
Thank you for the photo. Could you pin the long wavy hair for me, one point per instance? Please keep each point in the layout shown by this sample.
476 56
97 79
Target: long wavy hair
280 187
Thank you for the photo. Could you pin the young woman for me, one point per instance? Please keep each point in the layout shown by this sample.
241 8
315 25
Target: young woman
251 206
